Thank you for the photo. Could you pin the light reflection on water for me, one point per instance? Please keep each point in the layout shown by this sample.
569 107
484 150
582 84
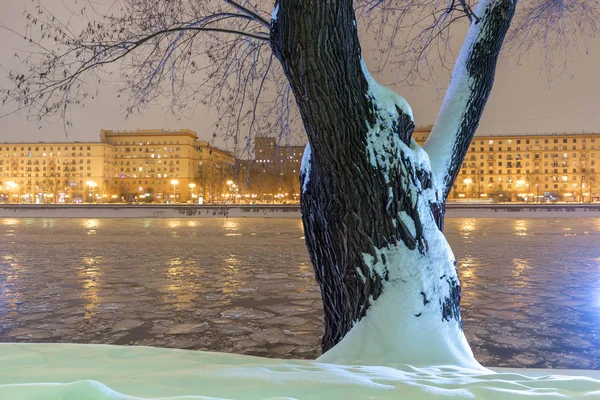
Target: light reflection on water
531 293
521 227
91 278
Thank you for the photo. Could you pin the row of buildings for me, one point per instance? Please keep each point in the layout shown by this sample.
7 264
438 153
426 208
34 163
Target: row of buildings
142 165
175 166
528 168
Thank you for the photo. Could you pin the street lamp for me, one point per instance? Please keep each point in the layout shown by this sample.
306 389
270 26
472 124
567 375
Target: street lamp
92 185
467 182
174 182
11 185
192 187
229 193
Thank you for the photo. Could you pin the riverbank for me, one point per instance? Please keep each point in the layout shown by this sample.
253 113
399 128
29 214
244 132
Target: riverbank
276 211
74 371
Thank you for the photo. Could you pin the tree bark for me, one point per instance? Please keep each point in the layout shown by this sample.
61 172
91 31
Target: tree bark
371 210
345 208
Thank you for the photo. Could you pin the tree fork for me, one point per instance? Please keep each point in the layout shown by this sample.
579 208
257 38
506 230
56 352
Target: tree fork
364 188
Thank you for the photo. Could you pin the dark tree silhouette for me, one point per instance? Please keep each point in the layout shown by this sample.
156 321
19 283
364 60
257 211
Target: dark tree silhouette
372 200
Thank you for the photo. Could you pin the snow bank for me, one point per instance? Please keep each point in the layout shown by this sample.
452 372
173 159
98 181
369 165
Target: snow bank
101 372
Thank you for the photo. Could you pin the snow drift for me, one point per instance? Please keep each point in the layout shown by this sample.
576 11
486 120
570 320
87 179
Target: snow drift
102 372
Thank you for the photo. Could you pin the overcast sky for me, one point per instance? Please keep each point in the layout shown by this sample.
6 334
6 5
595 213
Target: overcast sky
522 101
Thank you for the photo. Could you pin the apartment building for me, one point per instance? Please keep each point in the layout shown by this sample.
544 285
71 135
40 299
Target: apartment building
153 163
273 173
54 172
141 165
215 169
267 150
529 167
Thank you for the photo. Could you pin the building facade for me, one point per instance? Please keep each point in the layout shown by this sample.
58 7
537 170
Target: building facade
174 166
528 167
142 165
273 174
54 172
216 170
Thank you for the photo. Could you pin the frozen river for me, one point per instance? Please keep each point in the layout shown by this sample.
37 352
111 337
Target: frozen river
531 288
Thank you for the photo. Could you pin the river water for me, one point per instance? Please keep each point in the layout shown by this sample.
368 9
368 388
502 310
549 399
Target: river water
531 288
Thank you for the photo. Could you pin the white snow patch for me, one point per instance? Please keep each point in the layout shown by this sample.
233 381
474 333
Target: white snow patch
442 139
382 142
101 372
404 325
274 14
305 167
362 276
408 221
385 97
399 327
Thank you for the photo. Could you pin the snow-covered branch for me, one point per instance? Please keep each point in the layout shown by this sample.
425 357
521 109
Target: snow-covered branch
469 89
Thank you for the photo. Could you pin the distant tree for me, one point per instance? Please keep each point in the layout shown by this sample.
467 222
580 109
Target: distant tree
373 201
150 195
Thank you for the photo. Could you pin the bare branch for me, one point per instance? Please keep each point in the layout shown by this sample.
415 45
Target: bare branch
248 12
555 27
151 43
469 89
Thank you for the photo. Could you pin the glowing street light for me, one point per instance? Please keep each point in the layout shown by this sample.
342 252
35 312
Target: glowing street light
13 186
92 185
467 182
174 182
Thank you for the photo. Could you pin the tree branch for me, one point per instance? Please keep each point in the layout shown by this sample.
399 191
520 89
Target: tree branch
468 92
250 13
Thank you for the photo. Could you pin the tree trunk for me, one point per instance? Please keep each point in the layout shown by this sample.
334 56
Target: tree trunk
372 210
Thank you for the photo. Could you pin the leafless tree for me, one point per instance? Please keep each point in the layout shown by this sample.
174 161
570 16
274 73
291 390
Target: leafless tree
373 201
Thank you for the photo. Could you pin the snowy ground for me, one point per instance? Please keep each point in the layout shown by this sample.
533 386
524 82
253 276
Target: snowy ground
101 372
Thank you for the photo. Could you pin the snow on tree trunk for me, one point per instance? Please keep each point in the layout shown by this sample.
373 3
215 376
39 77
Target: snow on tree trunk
372 209
469 89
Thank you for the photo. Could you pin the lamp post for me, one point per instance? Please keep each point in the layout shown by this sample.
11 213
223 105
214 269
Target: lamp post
174 182
91 185
520 183
229 184
467 182
192 187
